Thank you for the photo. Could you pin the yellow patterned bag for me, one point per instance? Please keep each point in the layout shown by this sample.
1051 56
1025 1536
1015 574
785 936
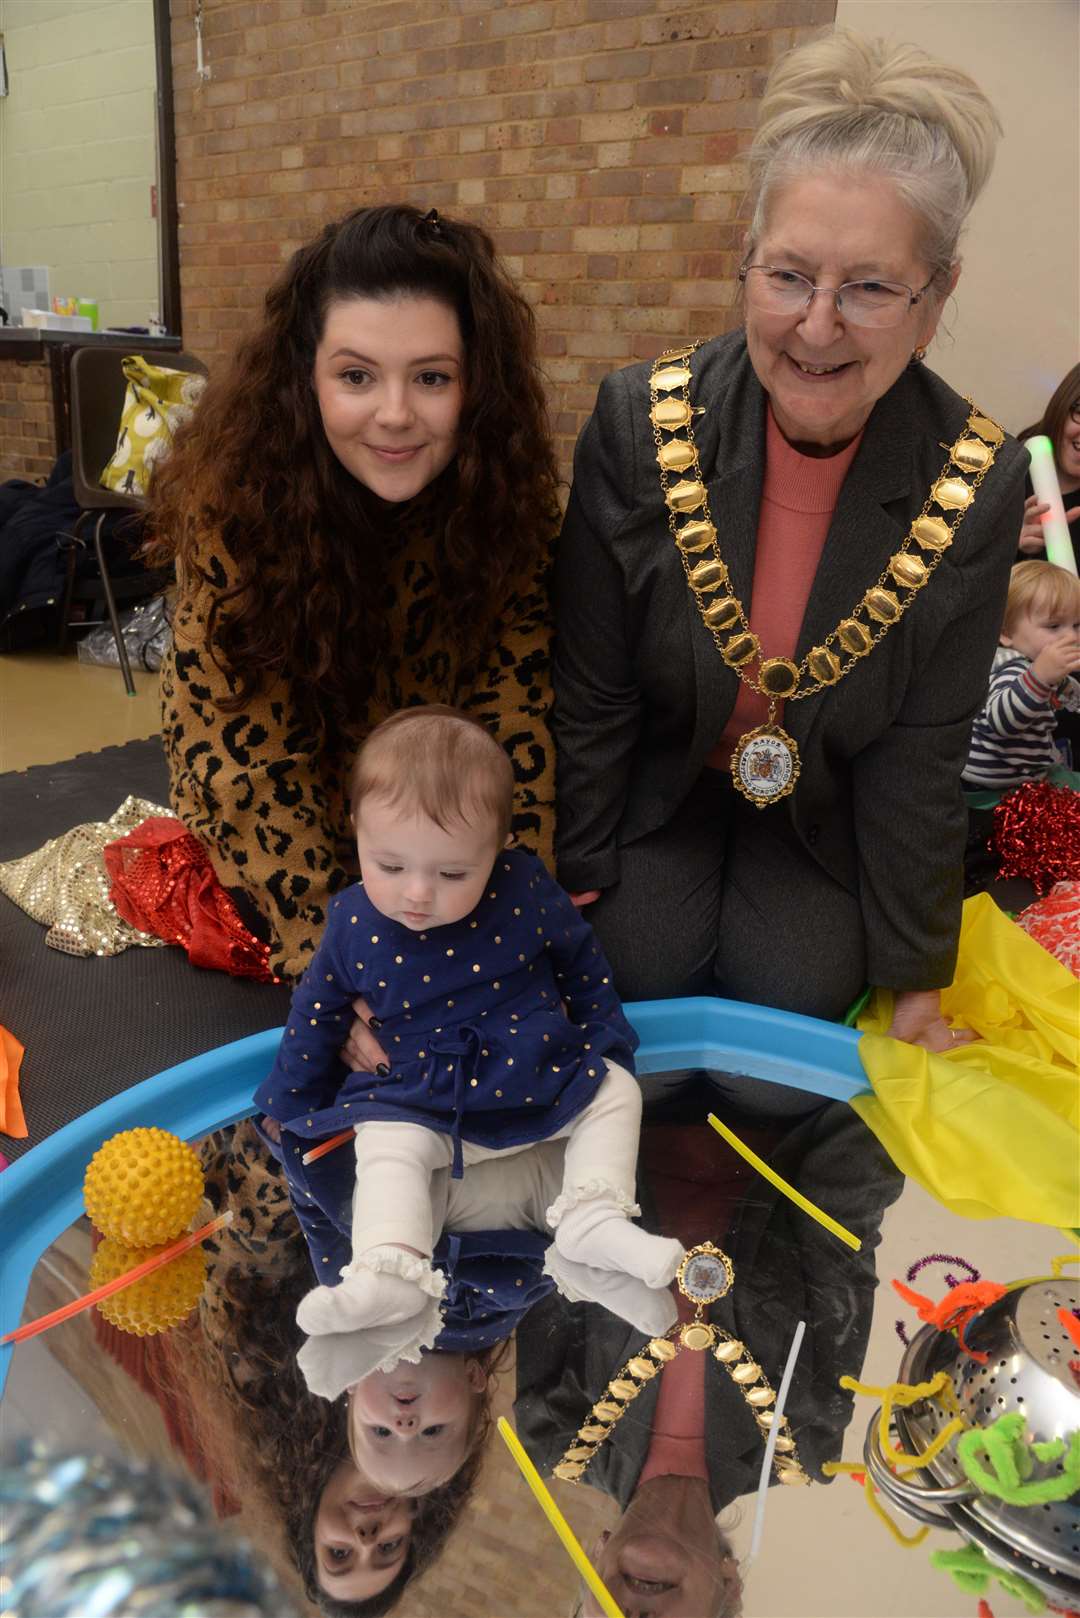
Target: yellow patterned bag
157 402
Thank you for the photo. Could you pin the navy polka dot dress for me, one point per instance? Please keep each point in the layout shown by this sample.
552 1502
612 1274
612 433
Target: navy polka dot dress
471 1017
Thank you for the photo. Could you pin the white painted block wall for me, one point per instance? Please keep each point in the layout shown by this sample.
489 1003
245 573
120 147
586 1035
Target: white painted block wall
1013 327
78 150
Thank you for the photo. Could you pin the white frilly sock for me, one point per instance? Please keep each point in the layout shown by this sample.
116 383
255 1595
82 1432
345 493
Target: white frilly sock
592 1226
650 1310
383 1287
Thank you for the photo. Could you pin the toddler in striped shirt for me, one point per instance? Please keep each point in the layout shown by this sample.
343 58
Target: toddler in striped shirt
1030 680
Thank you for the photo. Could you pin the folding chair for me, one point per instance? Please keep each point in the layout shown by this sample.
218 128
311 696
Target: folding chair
98 388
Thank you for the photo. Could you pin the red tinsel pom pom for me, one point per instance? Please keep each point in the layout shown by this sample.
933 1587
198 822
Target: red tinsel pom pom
1054 922
1037 834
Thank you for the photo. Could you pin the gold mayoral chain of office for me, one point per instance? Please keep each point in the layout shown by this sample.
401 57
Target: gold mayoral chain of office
765 761
705 1274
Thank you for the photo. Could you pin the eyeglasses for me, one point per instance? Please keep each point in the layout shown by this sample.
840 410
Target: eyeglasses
864 303
1074 411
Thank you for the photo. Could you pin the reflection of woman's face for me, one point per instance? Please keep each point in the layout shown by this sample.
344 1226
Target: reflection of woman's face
361 1540
666 1557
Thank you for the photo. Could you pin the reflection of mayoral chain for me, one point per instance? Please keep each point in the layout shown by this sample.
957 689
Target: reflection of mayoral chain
765 762
705 1274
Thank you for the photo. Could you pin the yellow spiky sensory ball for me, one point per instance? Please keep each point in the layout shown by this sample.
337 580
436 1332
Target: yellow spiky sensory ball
161 1299
143 1186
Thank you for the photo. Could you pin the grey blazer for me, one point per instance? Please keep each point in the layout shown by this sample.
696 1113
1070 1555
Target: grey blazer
787 1269
642 695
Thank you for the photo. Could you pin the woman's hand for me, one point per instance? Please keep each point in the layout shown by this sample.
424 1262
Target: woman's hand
1033 535
362 1052
583 899
917 1019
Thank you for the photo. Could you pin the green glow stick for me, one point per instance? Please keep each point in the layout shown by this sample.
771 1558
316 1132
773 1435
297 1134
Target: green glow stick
1044 481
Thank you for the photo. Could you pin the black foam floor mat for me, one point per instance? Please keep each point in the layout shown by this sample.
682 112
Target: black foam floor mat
92 1027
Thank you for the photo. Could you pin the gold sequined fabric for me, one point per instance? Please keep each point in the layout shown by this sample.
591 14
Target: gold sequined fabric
65 885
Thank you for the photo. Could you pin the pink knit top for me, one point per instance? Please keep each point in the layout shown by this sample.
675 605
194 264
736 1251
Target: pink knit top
677 1445
798 499
696 1182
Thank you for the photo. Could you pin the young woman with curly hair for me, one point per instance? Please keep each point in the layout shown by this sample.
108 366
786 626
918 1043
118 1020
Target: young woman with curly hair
355 1550
361 514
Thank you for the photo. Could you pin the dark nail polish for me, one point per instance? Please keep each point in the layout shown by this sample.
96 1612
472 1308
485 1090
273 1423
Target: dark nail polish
382 1069
374 1022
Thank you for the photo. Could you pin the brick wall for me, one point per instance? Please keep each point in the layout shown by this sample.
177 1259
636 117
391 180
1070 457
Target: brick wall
599 140
27 434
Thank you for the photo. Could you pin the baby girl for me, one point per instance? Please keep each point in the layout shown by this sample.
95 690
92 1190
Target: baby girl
502 1028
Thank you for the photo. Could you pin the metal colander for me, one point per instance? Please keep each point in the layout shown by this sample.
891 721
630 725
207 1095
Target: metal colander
1027 1368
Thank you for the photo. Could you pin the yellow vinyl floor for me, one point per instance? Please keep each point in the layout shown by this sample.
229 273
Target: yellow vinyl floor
52 707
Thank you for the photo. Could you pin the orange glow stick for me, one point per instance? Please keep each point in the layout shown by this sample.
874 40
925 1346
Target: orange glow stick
33 1327
330 1145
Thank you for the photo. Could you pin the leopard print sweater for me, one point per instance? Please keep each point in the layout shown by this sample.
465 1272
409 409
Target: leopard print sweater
270 804
241 1177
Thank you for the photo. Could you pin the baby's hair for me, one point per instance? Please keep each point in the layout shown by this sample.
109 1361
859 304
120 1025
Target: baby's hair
1038 584
439 761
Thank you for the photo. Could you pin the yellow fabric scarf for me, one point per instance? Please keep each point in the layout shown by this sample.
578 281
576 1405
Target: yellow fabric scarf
992 1128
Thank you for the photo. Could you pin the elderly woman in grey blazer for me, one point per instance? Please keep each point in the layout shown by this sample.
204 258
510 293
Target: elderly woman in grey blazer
781 578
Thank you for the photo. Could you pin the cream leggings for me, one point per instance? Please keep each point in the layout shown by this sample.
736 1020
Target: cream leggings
396 1201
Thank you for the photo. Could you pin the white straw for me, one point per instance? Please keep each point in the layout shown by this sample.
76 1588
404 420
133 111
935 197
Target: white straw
770 1447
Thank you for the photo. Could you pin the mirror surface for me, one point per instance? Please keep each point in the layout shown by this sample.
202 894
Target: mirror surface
216 1397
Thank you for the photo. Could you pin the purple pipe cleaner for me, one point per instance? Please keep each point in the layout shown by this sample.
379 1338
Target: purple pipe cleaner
950 1280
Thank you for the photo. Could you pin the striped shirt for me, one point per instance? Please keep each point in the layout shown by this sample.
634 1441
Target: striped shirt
1012 740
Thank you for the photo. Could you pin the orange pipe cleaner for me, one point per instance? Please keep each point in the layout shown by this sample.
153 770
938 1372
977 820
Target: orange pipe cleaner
1071 1325
959 1306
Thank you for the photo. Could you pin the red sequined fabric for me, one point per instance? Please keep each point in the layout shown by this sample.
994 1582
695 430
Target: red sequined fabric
163 883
